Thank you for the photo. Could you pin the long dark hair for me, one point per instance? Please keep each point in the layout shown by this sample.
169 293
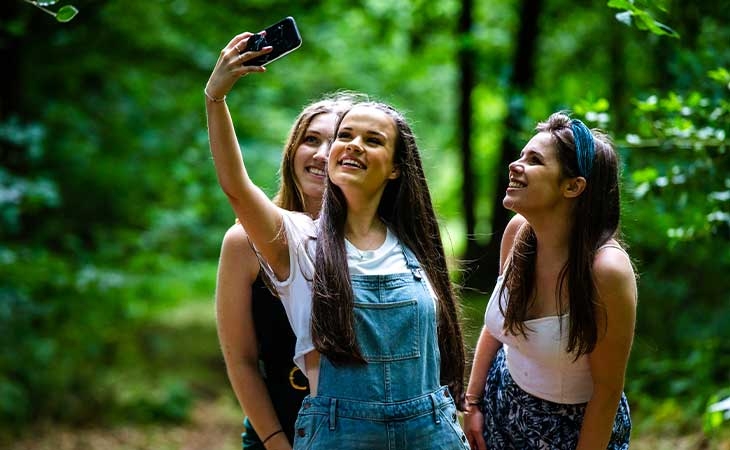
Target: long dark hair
595 221
406 208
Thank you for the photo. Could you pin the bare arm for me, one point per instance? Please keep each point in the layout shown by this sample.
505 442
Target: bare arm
486 348
237 270
616 286
259 216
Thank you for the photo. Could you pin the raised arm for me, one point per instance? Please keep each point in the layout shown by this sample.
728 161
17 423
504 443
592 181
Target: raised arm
258 215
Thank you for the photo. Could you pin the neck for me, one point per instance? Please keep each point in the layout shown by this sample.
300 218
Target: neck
366 232
312 206
553 235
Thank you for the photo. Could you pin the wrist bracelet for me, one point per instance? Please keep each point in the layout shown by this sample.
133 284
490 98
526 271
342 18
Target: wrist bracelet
272 434
213 99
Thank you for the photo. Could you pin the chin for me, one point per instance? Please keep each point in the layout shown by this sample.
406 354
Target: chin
508 203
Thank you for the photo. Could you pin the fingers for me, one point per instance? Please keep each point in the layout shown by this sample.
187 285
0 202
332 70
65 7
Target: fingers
473 428
476 441
236 41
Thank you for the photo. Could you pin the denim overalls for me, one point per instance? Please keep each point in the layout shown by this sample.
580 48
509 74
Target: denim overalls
395 401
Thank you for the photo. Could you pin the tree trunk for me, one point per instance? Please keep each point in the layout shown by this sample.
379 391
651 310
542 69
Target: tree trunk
485 261
466 87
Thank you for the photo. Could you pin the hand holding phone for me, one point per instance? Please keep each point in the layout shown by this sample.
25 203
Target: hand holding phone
283 36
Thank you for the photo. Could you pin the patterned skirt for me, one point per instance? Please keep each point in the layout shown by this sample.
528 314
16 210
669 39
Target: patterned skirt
514 419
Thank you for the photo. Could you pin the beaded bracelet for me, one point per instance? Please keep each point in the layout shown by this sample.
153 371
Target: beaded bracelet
213 99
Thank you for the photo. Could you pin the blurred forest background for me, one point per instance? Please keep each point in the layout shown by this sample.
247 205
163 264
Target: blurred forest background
111 217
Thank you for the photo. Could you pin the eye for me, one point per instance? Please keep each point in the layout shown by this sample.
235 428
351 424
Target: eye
375 141
312 140
343 135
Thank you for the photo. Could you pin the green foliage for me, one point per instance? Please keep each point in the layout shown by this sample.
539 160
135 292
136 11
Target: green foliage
641 17
678 202
109 202
64 13
717 412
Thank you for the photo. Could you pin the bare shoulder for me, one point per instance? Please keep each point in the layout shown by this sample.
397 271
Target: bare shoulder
236 250
508 239
613 270
514 225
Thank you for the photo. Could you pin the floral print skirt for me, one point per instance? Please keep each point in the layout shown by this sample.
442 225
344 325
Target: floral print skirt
514 419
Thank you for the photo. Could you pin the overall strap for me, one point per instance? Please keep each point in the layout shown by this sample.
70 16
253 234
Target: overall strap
411 261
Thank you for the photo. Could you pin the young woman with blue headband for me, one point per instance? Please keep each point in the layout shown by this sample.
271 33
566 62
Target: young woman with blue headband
549 366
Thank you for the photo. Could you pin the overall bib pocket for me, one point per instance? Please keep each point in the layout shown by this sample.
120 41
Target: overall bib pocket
388 331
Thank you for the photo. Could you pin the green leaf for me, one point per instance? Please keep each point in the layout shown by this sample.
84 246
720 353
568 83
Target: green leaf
661 29
720 74
66 13
621 4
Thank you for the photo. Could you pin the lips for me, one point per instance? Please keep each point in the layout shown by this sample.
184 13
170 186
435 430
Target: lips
317 171
516 184
351 162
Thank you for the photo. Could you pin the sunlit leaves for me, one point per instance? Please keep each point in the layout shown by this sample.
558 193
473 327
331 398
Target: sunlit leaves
678 160
641 18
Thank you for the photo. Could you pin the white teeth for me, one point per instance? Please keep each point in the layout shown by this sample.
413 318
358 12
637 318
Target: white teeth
352 162
316 171
516 184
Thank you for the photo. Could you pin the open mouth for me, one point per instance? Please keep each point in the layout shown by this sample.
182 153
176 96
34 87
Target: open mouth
350 162
317 171
516 184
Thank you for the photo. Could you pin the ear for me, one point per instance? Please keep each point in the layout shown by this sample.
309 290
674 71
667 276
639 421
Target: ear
395 173
573 187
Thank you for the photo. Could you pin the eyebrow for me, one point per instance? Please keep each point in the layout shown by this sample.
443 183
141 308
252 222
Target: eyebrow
371 132
530 150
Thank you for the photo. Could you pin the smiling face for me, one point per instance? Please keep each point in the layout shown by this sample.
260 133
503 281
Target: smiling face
310 159
536 181
362 155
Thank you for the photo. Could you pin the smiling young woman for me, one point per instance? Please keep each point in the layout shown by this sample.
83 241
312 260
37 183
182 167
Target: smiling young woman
366 288
549 366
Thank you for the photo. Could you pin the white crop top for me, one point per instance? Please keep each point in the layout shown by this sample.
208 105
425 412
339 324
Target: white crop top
540 364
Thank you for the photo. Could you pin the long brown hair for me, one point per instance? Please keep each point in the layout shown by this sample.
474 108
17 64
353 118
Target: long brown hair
595 221
407 210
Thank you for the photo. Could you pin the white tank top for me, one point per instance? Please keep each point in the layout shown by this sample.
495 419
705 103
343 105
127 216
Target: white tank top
540 364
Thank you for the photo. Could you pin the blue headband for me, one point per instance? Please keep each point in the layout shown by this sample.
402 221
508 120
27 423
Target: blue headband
584 149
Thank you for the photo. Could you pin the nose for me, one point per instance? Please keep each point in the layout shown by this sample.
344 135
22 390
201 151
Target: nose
516 166
323 151
355 145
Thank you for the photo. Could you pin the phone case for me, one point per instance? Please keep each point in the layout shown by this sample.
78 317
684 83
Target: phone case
283 36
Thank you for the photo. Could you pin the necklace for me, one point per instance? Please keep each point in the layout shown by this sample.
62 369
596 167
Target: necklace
370 243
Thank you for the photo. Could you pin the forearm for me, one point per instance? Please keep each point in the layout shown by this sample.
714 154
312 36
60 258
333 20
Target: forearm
229 166
600 414
486 348
253 396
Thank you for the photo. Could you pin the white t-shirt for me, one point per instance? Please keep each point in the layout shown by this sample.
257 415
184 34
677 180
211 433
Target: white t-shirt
296 291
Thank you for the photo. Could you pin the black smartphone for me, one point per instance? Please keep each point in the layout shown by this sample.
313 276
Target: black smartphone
283 36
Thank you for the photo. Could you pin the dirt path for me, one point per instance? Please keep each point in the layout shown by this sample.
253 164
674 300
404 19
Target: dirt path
212 427
215 426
